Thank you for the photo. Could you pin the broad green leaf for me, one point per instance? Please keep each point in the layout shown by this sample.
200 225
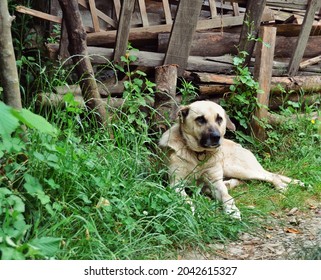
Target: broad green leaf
8 123
8 253
47 246
34 121
34 188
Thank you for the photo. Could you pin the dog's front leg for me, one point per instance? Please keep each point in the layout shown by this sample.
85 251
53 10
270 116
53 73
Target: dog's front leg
178 184
220 192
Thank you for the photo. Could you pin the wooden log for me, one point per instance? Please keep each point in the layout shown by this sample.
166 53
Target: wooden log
296 83
302 41
218 44
308 62
46 99
276 119
165 96
263 74
150 33
57 100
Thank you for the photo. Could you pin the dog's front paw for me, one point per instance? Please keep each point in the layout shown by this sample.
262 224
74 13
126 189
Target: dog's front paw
233 211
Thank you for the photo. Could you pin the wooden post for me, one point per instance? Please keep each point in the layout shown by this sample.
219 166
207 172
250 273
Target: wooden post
252 22
263 74
181 37
126 12
297 56
165 96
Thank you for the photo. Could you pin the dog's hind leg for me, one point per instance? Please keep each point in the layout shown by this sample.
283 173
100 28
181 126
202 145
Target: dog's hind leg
241 164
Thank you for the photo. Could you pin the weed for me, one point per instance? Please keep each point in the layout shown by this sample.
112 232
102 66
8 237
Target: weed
242 101
188 92
137 94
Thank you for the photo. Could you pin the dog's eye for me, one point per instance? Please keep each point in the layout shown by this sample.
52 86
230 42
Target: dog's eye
201 120
219 119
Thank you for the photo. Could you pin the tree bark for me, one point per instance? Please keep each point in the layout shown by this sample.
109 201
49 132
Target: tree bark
8 70
78 50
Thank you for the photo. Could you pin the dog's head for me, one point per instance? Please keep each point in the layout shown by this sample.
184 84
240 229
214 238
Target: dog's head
203 125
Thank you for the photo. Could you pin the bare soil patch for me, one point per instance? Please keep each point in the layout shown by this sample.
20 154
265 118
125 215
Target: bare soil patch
295 235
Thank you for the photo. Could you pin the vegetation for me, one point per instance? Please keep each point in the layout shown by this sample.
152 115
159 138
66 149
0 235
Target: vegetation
71 190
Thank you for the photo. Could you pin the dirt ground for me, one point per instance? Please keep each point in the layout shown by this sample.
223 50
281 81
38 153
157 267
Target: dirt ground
295 235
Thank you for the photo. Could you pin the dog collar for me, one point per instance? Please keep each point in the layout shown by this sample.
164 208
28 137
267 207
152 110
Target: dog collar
201 155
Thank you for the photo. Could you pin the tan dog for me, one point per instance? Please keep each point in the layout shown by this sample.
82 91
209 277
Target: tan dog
197 151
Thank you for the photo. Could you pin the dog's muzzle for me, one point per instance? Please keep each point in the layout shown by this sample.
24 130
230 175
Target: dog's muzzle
211 139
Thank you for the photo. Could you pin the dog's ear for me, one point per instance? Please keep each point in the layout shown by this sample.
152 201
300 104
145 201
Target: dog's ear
229 124
183 112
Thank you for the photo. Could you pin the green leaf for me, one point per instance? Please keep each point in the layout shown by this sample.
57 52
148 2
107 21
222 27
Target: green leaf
141 73
47 246
34 121
8 253
34 188
8 123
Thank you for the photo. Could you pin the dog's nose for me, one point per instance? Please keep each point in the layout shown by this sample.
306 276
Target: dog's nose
211 139
215 138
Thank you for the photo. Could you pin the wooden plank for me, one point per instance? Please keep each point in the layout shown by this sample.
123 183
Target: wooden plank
126 12
143 12
313 7
213 10
263 74
253 15
236 9
93 11
180 41
100 14
117 7
28 11
167 11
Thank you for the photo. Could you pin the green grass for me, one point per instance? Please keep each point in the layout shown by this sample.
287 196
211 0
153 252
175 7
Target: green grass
102 194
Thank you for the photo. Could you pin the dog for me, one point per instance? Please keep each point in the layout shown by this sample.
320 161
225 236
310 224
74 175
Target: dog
198 152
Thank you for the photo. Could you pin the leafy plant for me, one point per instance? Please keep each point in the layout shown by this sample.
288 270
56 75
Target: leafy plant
13 160
242 100
187 91
138 92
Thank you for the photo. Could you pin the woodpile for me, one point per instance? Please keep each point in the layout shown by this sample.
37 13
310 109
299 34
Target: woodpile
171 32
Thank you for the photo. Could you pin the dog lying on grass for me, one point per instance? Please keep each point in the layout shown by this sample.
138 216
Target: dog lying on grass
198 152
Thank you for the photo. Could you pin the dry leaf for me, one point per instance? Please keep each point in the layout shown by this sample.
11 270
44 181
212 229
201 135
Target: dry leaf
103 202
292 230
269 228
87 234
268 236
276 215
